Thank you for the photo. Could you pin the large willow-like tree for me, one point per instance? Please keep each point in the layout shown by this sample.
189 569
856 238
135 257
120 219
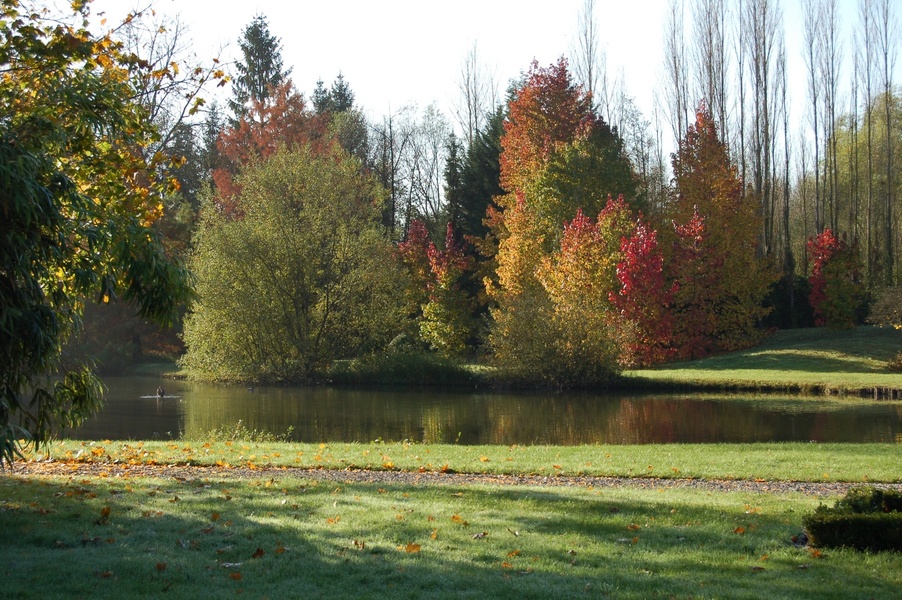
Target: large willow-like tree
304 276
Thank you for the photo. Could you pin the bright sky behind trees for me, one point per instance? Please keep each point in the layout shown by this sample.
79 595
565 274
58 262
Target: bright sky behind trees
399 52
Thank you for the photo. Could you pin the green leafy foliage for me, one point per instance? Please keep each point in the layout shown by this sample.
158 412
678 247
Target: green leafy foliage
78 200
304 278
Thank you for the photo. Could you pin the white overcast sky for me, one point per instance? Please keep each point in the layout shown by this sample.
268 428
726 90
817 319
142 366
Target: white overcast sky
399 52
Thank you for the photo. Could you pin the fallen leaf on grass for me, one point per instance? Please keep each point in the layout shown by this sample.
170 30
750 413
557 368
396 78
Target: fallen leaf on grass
758 568
459 519
480 535
633 527
161 566
412 548
280 549
104 574
739 530
235 576
513 553
258 553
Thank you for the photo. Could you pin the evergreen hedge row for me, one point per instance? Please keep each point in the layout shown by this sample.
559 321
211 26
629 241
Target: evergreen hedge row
867 518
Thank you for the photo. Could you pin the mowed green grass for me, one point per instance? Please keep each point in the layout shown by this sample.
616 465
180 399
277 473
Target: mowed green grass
770 461
287 537
800 359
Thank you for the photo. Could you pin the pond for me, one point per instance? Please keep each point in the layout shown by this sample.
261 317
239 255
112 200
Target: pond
328 414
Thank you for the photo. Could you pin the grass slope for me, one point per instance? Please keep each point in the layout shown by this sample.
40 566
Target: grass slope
806 360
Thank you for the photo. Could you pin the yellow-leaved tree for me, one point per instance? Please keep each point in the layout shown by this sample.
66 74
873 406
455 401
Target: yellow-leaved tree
78 195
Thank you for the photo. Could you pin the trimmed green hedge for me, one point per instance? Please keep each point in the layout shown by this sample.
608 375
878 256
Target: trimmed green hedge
866 518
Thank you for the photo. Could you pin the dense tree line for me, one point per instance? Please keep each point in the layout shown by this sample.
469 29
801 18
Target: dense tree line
554 206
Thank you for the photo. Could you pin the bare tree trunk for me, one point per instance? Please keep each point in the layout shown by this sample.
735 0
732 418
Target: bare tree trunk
829 86
866 35
740 75
676 91
854 199
804 197
812 54
590 62
477 96
709 26
760 36
886 45
789 265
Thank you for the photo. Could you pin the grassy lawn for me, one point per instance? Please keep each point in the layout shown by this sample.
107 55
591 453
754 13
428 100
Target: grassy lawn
801 359
284 537
771 461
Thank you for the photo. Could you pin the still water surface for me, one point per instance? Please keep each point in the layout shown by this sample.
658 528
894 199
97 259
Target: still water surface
324 414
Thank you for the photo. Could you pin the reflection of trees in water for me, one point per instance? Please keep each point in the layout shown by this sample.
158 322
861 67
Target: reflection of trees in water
326 414
687 421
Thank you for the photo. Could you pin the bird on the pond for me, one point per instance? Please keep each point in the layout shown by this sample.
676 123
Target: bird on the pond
161 392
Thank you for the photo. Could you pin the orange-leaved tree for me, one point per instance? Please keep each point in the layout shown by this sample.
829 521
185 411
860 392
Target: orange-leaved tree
579 279
558 158
281 120
714 260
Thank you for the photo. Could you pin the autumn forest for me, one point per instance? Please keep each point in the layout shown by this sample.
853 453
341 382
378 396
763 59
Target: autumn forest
543 230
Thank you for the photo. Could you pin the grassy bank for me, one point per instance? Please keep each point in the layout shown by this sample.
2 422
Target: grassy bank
801 360
283 537
772 461
812 361
808 361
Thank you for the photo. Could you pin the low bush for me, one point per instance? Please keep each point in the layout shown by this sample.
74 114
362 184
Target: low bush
866 518
403 367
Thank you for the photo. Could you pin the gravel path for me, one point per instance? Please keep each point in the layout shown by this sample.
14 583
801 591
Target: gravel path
185 472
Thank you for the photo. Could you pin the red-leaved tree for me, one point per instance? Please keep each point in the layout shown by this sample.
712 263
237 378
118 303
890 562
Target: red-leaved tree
436 297
644 298
836 288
